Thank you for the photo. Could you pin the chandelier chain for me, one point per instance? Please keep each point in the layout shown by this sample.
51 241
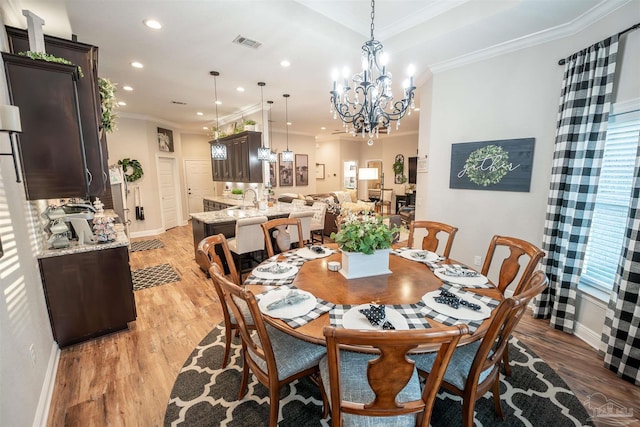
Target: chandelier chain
373 15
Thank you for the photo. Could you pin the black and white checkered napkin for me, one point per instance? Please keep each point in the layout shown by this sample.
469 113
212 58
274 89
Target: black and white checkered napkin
411 312
254 280
485 285
292 256
469 296
321 307
431 264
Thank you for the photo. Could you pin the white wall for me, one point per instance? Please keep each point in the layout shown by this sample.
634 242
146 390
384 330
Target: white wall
510 96
299 144
25 385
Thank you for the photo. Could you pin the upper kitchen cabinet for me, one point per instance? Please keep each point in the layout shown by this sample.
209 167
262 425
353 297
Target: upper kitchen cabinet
50 144
242 163
94 148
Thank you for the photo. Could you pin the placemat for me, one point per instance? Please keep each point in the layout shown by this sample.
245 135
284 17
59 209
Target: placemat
322 307
412 312
449 321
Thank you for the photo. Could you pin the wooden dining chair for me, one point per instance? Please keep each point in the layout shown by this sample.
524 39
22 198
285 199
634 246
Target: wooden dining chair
274 357
280 230
207 251
474 368
384 385
431 241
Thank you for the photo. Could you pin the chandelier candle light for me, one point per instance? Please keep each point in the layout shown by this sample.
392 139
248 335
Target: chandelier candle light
218 151
263 152
287 155
368 106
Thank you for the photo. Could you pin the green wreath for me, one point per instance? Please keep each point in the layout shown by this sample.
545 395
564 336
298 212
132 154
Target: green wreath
482 173
136 169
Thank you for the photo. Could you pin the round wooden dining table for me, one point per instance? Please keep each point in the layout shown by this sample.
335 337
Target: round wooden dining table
407 283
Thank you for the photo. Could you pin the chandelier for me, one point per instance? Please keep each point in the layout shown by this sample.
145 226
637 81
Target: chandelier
369 106
287 155
218 151
263 152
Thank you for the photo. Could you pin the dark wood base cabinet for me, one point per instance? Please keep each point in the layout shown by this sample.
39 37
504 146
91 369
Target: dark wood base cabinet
88 294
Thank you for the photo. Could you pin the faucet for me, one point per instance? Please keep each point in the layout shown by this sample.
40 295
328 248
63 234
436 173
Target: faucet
255 196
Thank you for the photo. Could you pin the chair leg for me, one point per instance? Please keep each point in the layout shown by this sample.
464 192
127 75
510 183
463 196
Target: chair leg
227 345
274 406
505 362
468 406
245 375
496 398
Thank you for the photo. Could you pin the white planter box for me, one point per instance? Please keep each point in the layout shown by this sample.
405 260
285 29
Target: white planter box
356 264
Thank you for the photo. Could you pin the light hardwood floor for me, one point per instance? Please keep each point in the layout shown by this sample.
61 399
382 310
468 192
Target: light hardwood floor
124 379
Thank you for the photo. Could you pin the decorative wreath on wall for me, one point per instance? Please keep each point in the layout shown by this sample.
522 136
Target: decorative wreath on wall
132 169
487 165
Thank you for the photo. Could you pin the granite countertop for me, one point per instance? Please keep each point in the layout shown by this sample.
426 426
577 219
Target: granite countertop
75 247
228 200
234 213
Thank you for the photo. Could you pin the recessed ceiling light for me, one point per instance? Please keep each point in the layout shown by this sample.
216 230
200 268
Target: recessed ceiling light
152 23
416 109
288 123
323 128
218 102
200 113
240 89
205 128
127 88
122 103
285 63
136 64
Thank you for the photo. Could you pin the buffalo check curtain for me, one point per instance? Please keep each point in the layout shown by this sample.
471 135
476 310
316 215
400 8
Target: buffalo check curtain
585 101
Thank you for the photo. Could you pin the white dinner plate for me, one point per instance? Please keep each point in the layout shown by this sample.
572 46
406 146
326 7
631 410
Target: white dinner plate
285 270
353 319
419 255
286 311
309 254
462 312
464 281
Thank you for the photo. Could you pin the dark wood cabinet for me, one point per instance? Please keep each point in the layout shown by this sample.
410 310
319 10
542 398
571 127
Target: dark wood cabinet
88 294
242 164
50 145
93 146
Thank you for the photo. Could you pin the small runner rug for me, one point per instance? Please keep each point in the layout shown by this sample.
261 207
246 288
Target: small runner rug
205 395
153 276
145 245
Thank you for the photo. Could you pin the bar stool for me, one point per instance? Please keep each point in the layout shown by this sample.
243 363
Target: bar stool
305 219
248 238
317 221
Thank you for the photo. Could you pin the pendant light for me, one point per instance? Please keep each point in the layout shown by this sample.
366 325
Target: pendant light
218 150
287 155
273 156
263 152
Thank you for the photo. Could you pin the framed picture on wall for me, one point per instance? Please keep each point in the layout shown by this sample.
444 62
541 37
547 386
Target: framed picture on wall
302 169
286 173
165 140
319 171
272 174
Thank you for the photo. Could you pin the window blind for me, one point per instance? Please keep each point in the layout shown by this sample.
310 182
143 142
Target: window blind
611 211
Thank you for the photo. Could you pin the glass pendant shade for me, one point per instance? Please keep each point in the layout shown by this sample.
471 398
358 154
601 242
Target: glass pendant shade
287 155
218 151
264 153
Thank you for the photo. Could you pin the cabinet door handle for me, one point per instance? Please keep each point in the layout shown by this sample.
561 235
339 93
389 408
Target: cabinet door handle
89 176
105 177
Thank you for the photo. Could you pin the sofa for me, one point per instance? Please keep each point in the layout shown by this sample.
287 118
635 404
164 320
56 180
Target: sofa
339 203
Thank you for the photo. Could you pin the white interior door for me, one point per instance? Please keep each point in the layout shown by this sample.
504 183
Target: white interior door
199 183
168 193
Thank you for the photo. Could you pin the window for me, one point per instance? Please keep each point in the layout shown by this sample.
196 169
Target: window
607 232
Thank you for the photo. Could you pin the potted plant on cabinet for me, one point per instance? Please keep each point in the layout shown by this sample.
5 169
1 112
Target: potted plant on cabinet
250 125
365 242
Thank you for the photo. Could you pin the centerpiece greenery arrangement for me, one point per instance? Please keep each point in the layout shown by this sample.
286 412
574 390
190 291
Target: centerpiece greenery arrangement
365 234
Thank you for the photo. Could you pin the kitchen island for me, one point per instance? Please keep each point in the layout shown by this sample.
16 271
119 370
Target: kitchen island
223 221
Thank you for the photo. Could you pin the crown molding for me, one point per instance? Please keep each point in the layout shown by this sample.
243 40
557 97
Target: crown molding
585 20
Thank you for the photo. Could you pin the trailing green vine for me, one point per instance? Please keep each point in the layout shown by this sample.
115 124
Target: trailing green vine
108 104
136 169
50 58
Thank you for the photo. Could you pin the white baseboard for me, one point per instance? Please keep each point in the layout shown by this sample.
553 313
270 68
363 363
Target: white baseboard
146 233
42 411
589 336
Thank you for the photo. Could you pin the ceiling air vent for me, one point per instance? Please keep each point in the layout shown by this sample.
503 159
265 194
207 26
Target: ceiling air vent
247 42
178 102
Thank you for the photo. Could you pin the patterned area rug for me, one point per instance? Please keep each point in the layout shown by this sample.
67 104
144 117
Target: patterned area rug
145 245
153 276
205 395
